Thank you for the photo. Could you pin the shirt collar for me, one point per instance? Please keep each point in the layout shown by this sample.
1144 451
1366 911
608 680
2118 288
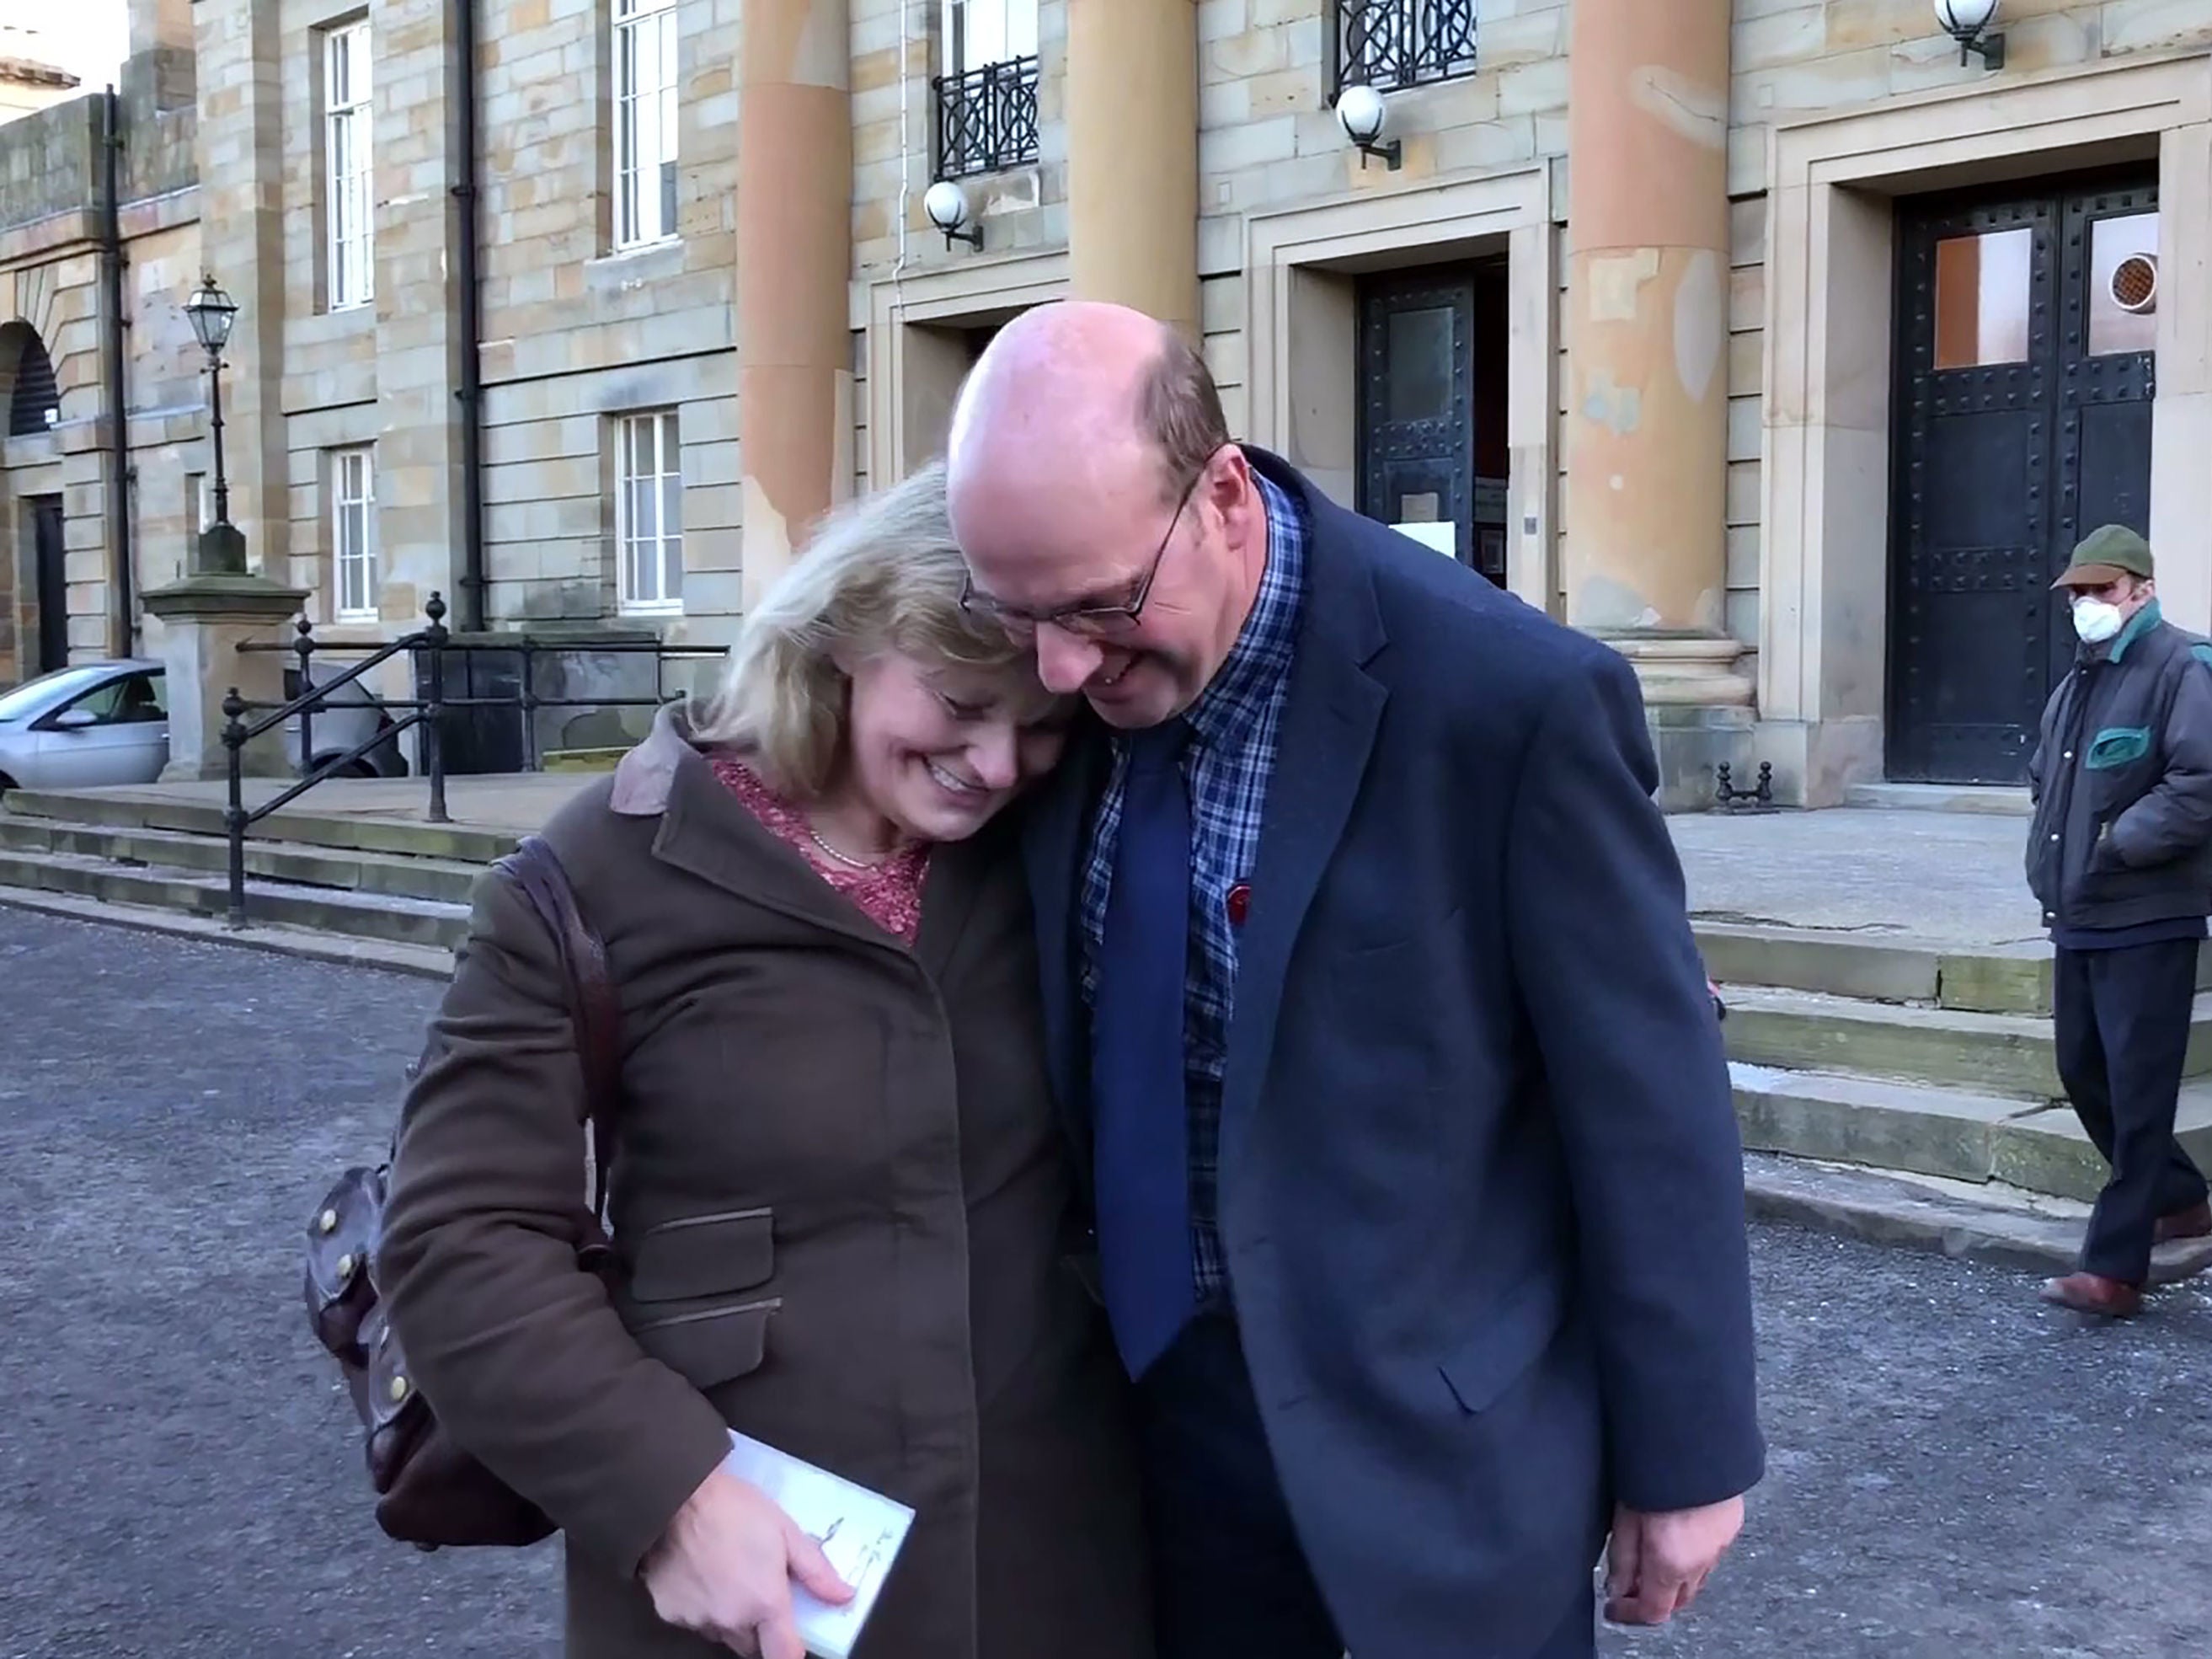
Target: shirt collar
1261 660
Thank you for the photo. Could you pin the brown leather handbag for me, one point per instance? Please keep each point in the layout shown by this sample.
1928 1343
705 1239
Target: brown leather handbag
430 1492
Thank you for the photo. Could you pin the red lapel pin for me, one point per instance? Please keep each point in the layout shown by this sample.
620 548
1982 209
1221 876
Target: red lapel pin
1238 902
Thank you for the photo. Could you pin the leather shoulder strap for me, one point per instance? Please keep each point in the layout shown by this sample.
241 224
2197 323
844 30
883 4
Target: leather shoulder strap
593 1003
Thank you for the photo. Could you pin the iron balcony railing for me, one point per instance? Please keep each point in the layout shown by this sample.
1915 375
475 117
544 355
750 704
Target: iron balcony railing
1389 44
432 644
986 119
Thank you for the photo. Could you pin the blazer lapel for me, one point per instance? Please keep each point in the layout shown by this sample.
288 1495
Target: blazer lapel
1052 850
1321 754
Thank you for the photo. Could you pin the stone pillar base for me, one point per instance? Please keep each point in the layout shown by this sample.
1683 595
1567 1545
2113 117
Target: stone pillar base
1685 670
205 618
1692 741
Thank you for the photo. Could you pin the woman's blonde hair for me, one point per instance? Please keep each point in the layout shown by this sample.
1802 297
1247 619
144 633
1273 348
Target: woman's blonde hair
881 574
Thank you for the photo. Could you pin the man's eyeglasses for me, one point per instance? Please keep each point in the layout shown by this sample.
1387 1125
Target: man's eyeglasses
1089 621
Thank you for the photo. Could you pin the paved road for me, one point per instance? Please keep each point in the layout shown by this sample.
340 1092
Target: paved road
1957 1472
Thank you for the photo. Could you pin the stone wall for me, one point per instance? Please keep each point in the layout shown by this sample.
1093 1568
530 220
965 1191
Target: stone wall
1792 59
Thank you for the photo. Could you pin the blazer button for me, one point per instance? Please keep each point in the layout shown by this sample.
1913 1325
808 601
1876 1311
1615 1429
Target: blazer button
2054 838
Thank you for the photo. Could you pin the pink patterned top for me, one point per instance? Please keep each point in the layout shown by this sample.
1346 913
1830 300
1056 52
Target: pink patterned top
889 893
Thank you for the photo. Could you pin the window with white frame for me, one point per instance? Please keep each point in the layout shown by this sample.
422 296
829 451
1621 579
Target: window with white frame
353 534
645 84
648 514
349 166
977 33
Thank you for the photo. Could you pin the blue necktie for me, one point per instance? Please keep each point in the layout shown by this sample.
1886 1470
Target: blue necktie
1140 1148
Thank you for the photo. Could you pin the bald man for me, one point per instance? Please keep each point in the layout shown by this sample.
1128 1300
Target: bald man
1381 1034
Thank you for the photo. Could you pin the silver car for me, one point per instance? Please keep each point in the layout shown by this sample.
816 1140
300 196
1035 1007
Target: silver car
108 723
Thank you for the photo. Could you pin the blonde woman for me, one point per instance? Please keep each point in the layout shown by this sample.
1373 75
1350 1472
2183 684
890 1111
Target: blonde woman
840 1205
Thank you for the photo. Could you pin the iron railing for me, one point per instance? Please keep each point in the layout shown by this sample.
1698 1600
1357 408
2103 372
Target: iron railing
433 644
986 119
1389 44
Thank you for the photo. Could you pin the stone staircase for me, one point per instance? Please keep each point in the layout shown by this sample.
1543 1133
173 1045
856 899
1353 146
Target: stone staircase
1931 1060
324 878
1865 1048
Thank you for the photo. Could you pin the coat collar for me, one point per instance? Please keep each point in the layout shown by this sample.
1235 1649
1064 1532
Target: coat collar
708 832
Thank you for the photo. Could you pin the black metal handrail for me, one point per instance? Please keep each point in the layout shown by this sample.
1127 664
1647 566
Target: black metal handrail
986 119
426 714
1389 44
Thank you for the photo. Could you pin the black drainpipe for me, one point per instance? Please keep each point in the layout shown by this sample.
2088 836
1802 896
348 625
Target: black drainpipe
471 326
118 412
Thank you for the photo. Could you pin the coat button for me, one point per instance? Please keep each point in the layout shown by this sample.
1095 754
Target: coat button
345 1266
399 1389
327 1221
2069 754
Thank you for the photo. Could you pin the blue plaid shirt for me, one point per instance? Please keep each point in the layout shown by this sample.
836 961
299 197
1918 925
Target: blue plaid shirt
1227 767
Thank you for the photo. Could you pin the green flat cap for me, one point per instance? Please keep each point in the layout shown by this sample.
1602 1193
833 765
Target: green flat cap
2106 556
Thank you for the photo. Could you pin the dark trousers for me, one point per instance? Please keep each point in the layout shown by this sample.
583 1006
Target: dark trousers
2121 1019
1230 1579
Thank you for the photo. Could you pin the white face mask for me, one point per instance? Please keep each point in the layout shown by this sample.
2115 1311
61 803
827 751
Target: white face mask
2095 620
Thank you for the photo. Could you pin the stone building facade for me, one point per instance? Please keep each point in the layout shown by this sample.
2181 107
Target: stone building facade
1785 342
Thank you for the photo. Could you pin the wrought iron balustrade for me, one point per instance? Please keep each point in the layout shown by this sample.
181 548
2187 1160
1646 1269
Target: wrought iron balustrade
1389 43
986 119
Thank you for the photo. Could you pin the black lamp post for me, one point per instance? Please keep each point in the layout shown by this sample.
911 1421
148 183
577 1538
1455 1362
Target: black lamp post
223 548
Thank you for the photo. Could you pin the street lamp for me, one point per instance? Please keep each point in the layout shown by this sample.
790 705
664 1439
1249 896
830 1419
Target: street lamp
946 205
1967 22
211 312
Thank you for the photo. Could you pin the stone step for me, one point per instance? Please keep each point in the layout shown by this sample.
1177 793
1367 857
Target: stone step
2011 978
358 833
443 880
1954 1133
1992 800
326 910
2001 1054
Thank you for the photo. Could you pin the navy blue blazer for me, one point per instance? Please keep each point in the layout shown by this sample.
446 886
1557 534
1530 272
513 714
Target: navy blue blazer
1481 1187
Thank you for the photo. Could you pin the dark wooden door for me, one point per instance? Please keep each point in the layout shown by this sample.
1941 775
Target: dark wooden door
1419 337
2024 378
50 570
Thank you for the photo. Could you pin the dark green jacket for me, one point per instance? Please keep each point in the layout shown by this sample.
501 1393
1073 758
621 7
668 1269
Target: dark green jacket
2121 780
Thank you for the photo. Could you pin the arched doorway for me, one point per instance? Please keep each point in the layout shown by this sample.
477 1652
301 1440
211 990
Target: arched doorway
33 401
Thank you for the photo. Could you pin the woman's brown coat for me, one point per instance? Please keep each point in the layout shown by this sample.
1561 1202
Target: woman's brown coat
839 1204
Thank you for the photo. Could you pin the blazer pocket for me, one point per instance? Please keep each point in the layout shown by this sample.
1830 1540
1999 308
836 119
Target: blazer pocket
708 1346
1506 1342
703 1255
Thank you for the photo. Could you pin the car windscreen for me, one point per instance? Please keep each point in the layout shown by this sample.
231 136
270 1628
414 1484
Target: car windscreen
34 696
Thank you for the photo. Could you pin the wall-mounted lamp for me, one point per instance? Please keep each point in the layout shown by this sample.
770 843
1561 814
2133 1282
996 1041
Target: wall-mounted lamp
1967 22
1361 114
946 205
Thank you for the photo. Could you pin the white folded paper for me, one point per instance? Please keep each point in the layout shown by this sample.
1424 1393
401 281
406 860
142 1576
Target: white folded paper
860 1531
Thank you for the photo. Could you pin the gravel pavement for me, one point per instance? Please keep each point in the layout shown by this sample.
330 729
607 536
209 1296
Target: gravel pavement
1957 1473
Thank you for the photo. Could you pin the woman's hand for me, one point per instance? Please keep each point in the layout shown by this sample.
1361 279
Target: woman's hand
724 1567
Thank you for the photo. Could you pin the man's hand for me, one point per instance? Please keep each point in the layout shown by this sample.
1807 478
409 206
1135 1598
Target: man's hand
1657 1564
724 1567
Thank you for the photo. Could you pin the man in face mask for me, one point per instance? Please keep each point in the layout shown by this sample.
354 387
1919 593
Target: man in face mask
2120 857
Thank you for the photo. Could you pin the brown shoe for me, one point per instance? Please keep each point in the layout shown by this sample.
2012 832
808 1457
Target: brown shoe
2093 1293
2196 1223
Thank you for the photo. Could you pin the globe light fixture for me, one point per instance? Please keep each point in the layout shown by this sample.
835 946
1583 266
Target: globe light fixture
1362 114
946 205
1967 22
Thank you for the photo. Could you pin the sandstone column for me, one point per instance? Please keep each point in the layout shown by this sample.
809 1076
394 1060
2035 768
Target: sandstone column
794 268
1132 93
1647 332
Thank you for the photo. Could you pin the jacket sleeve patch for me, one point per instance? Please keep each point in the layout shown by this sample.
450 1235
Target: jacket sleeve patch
2117 745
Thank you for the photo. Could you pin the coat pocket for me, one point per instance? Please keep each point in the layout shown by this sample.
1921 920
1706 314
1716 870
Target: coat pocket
1506 1341
2117 745
703 1255
708 1346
